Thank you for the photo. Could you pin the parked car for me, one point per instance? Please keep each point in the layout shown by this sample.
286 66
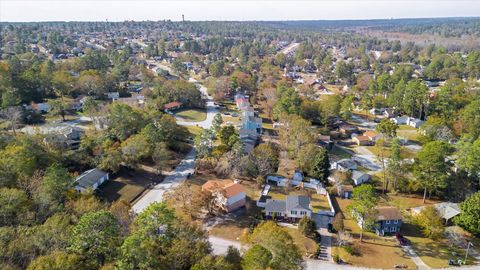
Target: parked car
330 227
234 114
401 240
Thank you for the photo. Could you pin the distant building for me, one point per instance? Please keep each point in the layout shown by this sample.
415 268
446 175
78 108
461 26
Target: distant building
175 105
345 165
345 191
387 220
90 179
446 210
363 140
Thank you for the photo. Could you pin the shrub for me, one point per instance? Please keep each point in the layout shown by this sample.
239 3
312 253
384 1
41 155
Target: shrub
349 249
307 227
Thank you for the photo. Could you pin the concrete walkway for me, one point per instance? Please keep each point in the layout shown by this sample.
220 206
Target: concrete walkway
220 245
413 255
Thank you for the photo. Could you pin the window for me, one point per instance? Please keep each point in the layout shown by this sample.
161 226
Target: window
303 213
293 212
395 221
393 229
387 222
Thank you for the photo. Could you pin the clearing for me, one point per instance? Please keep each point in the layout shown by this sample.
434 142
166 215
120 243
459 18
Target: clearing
192 115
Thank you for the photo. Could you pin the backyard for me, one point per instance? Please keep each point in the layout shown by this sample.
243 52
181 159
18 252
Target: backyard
318 202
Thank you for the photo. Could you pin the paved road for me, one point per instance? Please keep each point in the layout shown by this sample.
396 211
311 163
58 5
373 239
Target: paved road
176 177
221 245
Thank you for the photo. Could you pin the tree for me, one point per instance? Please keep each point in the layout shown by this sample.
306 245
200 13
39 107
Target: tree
285 254
161 155
14 206
58 107
346 107
306 157
470 117
321 166
266 159
394 169
229 135
124 120
430 222
96 236
217 122
51 192
469 217
256 258
364 201
59 260
234 257
430 168
14 117
307 227
134 149
468 153
387 128
204 142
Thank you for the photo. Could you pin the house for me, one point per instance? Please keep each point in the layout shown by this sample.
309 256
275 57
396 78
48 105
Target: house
372 135
293 208
446 210
90 179
362 140
228 195
388 220
346 129
414 122
401 120
175 105
344 165
345 191
325 141
359 177
390 113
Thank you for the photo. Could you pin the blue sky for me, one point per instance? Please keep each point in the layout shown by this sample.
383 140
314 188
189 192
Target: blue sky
119 10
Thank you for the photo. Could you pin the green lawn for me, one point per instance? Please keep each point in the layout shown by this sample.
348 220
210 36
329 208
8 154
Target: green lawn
192 115
306 245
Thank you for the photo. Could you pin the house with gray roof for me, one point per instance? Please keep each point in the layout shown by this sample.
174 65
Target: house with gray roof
90 179
293 208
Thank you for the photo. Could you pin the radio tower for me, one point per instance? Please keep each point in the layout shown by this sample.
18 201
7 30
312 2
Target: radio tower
183 18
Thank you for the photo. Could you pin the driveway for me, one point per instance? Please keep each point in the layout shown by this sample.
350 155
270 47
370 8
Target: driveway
176 177
220 245
212 109
326 241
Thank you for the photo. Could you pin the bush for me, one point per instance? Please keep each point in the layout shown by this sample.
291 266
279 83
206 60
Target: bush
338 222
336 258
307 227
349 249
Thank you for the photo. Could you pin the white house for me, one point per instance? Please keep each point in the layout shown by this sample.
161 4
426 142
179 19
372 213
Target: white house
293 208
344 165
401 120
90 179
414 122
359 177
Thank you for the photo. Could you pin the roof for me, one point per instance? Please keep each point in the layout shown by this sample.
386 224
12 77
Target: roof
173 104
370 133
362 138
89 178
388 213
357 174
347 163
227 187
345 188
276 206
298 201
446 210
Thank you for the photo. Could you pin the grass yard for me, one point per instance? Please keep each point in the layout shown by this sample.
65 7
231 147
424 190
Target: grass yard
126 185
192 115
230 120
194 130
408 132
306 245
339 153
229 230
435 253
373 247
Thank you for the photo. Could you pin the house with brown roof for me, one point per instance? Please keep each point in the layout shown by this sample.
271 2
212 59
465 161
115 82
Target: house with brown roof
387 220
362 140
175 105
372 135
228 195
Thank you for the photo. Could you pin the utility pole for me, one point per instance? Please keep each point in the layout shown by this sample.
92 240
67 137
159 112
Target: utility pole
466 254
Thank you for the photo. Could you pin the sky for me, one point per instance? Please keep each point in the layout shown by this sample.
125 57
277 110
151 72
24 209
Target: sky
200 10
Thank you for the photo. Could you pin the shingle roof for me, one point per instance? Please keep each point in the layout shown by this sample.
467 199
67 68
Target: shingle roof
89 178
388 213
276 206
227 187
297 201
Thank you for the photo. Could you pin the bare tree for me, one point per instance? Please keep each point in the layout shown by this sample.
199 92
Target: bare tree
14 116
